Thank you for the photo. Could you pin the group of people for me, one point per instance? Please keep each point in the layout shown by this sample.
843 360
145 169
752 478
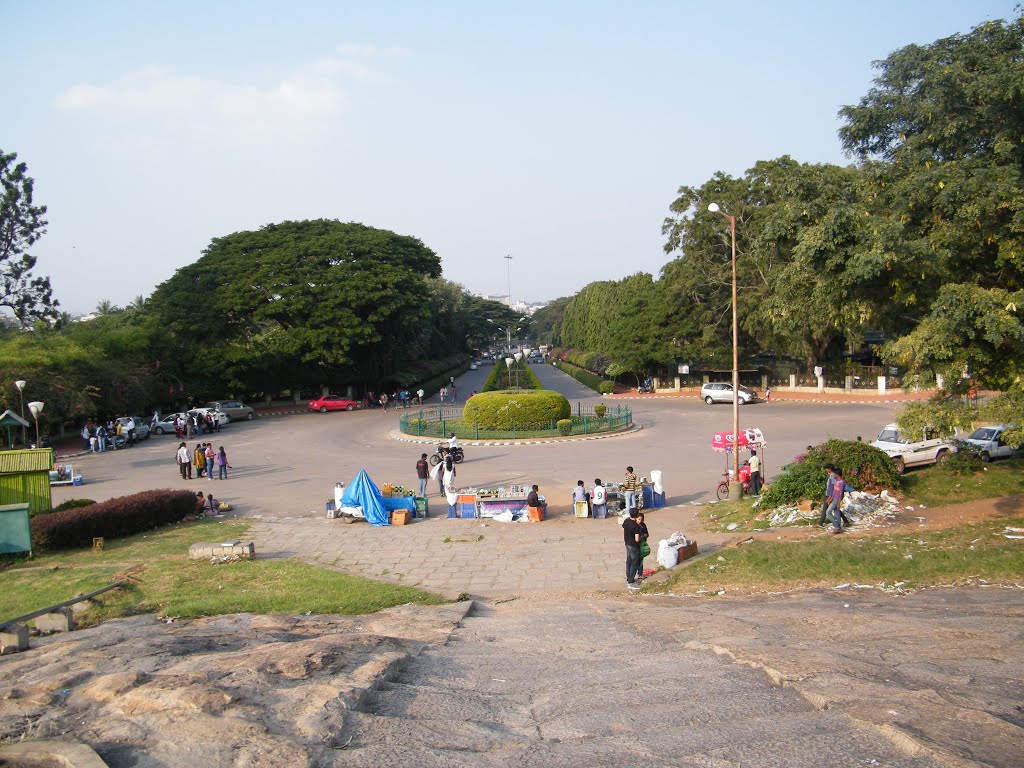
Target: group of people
400 398
98 437
202 460
194 424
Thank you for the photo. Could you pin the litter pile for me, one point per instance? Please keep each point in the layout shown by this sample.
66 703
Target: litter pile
863 509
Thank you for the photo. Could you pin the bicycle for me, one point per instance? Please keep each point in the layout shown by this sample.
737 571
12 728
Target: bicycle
722 491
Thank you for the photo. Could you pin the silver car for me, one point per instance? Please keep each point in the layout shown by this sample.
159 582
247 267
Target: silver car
721 392
235 410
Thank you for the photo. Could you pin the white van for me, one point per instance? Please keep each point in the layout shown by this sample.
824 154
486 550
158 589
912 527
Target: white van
989 442
904 453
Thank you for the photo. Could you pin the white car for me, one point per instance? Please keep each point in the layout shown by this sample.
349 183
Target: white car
906 453
721 392
220 417
141 426
989 442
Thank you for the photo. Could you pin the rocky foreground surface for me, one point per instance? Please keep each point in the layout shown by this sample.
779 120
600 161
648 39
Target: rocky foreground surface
811 679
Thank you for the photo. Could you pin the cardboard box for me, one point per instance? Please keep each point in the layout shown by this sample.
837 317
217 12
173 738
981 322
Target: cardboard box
400 517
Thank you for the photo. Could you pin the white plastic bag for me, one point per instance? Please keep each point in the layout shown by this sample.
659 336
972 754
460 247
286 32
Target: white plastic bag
668 555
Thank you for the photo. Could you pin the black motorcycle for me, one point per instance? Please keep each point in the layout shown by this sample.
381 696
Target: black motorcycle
456 453
647 388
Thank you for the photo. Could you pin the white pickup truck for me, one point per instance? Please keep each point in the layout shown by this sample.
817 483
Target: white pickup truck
904 453
989 442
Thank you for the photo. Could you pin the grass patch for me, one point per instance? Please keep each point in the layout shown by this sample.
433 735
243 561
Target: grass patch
719 516
165 581
976 551
935 486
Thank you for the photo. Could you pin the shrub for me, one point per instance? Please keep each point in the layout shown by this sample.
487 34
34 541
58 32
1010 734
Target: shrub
519 371
111 519
600 409
606 387
966 460
864 468
526 409
73 504
564 426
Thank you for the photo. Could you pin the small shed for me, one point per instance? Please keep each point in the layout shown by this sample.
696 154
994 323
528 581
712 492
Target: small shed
25 478
12 422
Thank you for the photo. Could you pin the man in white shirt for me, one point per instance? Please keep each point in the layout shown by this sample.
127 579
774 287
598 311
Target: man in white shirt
755 473
184 459
599 500
453 442
419 395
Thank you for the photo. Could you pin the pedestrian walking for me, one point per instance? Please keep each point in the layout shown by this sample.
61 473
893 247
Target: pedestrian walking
829 488
184 459
768 394
631 536
832 510
423 474
222 464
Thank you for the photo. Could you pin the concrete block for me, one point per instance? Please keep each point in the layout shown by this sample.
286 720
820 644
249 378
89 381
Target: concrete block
14 638
57 621
222 549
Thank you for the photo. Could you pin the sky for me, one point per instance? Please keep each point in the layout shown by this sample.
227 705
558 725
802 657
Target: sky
556 133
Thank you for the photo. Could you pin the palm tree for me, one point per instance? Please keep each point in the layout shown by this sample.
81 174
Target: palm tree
107 307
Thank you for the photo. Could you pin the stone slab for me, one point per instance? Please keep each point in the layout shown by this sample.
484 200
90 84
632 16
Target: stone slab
14 638
60 620
222 549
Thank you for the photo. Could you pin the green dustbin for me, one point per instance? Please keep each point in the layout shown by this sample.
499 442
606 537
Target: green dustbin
15 531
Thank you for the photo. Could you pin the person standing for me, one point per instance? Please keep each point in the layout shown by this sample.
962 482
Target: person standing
437 472
629 488
184 457
419 396
85 437
838 489
829 487
755 473
199 460
452 391
423 474
645 548
599 498
211 456
384 401
449 469
131 430
444 394
101 436
222 464
631 536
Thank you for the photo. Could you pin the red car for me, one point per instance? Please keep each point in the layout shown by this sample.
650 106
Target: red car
332 403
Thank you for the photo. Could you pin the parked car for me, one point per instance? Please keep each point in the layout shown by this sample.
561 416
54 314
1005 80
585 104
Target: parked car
141 426
989 442
930 449
166 423
220 417
236 410
721 392
332 403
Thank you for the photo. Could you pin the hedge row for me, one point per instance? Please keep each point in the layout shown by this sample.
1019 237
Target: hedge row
499 377
524 408
425 372
586 378
595 362
123 516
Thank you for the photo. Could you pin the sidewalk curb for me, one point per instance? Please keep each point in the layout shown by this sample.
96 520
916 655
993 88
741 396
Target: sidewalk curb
775 399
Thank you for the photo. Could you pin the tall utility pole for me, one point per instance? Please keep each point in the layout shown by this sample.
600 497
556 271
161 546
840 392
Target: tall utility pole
509 260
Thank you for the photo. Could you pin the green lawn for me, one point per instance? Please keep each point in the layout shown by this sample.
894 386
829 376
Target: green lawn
956 555
163 580
935 487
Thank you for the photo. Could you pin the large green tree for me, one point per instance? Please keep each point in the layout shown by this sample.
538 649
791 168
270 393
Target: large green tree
28 298
940 137
299 303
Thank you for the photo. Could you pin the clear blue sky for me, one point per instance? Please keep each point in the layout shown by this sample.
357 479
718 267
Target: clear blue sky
554 132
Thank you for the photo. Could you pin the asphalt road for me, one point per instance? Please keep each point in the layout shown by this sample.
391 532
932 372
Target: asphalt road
288 465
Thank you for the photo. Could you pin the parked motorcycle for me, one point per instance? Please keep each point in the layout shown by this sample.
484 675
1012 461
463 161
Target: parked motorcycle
647 388
457 455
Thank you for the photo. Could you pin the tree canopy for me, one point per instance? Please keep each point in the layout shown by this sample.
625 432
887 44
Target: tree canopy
21 224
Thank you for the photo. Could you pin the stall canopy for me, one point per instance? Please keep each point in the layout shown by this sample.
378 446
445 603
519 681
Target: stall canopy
749 438
363 493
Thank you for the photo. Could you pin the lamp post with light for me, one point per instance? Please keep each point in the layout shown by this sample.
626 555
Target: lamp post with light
36 408
735 486
20 384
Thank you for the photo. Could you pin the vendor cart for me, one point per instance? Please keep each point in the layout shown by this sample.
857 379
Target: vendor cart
749 440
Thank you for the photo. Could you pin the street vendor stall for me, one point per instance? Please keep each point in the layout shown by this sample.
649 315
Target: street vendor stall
503 504
750 439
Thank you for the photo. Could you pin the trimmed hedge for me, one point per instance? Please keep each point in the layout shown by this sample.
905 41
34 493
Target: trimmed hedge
524 408
585 377
500 376
111 519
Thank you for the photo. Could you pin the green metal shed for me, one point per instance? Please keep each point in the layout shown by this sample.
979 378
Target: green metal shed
12 422
25 478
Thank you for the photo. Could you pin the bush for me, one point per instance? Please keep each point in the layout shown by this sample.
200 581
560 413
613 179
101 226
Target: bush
526 409
606 387
564 426
966 460
111 519
864 469
519 371
73 504
600 409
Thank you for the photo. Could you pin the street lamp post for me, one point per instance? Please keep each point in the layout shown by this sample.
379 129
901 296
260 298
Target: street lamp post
36 408
20 384
508 262
519 358
735 486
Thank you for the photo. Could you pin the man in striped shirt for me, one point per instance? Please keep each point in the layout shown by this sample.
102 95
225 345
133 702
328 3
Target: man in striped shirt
629 488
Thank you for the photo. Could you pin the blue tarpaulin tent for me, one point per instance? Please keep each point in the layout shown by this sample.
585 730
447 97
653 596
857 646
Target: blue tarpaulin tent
364 493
